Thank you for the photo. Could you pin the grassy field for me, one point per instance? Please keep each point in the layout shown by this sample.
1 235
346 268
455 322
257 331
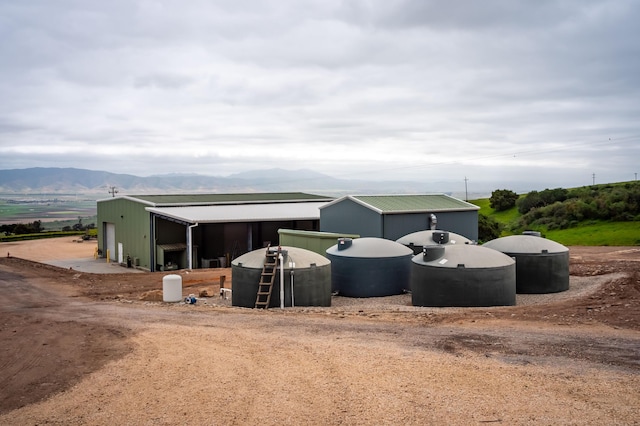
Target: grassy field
588 233
54 211
506 216
598 234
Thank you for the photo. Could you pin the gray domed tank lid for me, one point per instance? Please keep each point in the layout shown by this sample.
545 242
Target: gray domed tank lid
525 244
368 247
301 257
429 237
465 256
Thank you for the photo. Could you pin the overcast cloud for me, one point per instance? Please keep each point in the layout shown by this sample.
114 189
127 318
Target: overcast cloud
493 90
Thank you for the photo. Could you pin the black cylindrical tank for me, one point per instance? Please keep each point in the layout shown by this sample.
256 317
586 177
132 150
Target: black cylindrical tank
369 267
462 275
417 240
542 266
310 273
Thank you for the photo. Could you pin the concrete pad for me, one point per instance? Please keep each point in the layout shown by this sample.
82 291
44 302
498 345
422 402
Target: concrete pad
91 265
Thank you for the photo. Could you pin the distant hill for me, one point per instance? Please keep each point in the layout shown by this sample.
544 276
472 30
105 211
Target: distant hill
52 180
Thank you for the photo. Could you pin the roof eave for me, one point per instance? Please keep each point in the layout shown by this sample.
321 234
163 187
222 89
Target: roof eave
280 219
465 209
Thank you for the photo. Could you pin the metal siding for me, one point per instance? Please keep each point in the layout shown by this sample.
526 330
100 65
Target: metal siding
399 225
350 217
131 227
463 223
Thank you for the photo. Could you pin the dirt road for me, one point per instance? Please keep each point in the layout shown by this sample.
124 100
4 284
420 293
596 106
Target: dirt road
84 349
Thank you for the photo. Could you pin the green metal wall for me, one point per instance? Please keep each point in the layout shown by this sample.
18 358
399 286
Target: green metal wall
317 242
132 228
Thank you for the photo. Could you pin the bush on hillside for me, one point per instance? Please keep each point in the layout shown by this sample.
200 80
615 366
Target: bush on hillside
535 199
502 199
618 203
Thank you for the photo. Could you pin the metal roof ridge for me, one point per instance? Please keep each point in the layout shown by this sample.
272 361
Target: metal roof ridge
128 197
365 204
142 200
240 202
355 200
463 201
399 195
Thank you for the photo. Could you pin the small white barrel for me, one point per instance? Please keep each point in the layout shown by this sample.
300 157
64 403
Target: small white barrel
172 288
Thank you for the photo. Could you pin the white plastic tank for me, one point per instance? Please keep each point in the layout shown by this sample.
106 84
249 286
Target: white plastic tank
172 288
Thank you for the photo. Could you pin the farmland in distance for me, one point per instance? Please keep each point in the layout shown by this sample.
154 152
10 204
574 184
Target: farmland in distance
53 210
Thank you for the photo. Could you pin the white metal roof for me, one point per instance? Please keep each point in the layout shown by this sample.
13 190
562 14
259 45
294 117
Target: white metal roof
243 212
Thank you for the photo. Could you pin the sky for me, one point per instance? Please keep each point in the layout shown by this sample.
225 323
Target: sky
492 91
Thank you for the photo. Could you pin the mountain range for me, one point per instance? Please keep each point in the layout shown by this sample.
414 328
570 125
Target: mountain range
52 180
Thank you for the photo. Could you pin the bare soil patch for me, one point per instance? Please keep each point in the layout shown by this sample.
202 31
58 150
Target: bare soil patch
82 348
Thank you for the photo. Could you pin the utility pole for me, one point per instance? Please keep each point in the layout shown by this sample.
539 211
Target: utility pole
113 191
466 194
594 178
636 175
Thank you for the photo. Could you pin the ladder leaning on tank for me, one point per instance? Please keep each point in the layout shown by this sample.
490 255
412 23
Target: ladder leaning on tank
267 278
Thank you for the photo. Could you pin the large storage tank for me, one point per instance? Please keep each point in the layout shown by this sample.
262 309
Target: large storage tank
462 275
309 272
542 266
417 240
369 267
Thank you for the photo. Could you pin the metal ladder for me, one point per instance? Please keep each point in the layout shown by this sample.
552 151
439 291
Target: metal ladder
267 278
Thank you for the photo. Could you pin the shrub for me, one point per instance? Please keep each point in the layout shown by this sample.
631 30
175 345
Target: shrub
502 199
488 228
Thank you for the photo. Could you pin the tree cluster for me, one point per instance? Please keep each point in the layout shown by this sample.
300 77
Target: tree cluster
535 199
34 227
561 208
502 199
79 226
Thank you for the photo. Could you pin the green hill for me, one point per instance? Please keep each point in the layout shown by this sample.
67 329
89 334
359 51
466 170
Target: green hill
607 214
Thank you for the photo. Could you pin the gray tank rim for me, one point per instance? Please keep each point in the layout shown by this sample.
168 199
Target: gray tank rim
303 259
371 247
423 238
468 257
525 244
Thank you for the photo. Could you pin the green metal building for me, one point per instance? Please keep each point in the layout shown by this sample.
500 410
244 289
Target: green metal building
167 232
317 242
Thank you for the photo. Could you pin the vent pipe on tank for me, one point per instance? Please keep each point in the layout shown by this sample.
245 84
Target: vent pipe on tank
433 222
281 260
